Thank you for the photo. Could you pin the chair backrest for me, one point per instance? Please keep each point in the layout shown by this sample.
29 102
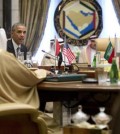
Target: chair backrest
20 119
102 43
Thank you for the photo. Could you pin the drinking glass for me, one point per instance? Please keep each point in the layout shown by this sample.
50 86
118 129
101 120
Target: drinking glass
34 63
29 56
20 56
102 75
28 62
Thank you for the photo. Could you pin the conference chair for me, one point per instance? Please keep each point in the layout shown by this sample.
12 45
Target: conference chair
20 119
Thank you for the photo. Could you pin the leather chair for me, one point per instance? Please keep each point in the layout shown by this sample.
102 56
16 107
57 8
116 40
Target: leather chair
102 43
20 119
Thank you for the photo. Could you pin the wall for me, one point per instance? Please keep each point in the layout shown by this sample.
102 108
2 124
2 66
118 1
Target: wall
15 11
1 13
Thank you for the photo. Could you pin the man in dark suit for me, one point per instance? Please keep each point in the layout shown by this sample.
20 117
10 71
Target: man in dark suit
18 33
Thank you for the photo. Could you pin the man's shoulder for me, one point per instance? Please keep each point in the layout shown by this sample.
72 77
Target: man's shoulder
24 47
9 40
9 44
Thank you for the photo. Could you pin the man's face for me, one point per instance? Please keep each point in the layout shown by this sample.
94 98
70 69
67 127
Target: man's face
93 45
18 34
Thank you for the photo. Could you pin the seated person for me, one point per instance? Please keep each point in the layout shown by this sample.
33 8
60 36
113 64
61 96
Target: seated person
88 52
18 33
49 57
19 85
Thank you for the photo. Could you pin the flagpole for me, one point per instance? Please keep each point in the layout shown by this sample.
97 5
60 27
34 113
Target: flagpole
115 45
63 47
55 52
116 52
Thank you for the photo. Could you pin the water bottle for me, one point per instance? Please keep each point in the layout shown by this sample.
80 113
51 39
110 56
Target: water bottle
94 61
113 72
98 58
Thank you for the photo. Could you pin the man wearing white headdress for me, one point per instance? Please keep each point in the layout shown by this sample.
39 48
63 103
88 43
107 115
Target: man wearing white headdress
49 57
88 52
3 39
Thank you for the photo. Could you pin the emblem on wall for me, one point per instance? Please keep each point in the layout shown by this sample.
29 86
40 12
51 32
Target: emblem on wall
77 20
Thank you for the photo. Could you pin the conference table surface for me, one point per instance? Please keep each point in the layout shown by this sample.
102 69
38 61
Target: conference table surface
63 91
77 86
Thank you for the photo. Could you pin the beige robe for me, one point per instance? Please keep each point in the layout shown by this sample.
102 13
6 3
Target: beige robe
18 85
17 82
87 55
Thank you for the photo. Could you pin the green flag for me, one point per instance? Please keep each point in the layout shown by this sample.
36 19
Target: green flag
108 51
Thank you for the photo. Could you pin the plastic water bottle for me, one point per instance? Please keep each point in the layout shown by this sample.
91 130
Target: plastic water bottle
94 61
113 72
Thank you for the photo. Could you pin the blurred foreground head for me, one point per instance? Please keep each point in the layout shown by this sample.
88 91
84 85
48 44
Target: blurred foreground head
3 39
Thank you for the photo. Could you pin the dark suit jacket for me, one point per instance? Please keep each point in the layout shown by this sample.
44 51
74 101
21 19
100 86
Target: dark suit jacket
10 48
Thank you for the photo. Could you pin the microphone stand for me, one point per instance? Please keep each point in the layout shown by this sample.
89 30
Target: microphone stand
54 58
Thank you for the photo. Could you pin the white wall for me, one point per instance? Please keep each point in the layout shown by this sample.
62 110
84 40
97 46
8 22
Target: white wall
110 22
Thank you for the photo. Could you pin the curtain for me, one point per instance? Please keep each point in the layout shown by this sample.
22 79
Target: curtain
33 13
116 4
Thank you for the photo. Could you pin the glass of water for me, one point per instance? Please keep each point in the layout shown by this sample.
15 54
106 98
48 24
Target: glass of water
28 56
28 62
20 56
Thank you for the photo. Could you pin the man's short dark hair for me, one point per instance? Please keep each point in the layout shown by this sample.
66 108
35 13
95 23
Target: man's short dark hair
17 24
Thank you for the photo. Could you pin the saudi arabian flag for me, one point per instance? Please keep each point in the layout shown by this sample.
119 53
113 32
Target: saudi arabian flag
109 51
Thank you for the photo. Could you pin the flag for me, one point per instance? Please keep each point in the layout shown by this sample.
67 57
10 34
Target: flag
57 47
68 53
109 53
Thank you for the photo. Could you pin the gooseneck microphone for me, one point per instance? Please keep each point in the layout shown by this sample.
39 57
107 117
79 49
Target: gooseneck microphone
48 53
58 58
54 57
48 57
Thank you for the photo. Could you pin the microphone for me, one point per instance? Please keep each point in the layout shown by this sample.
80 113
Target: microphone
54 57
48 53
59 59
48 57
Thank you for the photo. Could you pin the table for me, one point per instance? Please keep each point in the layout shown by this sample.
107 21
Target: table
63 91
101 95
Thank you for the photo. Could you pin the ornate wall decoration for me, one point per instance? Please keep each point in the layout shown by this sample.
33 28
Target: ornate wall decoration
77 20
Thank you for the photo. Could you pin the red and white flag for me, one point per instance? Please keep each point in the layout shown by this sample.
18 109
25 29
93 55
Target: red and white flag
57 47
